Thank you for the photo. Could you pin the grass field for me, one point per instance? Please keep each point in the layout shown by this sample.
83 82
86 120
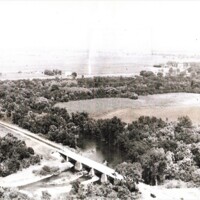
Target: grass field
169 106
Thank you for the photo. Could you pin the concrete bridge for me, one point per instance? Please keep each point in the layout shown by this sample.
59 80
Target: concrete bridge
79 161
93 166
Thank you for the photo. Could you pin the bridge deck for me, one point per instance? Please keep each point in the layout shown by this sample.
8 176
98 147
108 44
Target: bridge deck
91 163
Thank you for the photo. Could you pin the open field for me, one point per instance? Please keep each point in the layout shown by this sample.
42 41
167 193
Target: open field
169 106
163 193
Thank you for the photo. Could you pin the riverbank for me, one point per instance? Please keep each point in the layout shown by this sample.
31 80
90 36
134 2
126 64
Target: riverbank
26 176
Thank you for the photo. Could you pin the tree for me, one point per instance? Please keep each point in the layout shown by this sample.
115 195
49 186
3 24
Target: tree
74 75
154 166
130 171
196 153
31 150
110 129
13 165
53 133
45 195
48 72
185 122
171 71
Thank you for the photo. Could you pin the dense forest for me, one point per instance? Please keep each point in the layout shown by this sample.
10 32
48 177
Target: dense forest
155 150
15 155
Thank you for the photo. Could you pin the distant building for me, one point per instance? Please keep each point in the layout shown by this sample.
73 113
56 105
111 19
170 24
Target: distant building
68 73
157 66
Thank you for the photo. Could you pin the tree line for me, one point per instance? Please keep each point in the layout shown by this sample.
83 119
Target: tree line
148 82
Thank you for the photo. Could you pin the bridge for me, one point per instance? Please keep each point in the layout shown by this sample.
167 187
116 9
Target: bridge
79 161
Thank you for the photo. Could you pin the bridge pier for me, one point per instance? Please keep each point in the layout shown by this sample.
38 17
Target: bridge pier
104 178
91 173
78 166
94 168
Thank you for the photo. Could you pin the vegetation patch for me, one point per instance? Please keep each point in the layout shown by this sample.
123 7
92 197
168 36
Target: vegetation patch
46 170
15 155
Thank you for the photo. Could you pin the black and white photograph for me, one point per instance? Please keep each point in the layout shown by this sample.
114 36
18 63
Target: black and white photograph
99 100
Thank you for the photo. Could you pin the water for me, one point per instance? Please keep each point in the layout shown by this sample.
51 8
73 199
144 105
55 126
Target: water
101 152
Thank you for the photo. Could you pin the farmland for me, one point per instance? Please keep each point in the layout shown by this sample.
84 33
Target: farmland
169 106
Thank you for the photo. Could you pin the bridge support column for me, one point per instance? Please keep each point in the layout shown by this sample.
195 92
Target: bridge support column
91 173
78 166
67 159
104 178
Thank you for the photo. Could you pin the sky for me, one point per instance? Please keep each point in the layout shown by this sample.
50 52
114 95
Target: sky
136 26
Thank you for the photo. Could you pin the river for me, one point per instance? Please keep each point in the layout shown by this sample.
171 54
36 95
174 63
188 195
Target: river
102 153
